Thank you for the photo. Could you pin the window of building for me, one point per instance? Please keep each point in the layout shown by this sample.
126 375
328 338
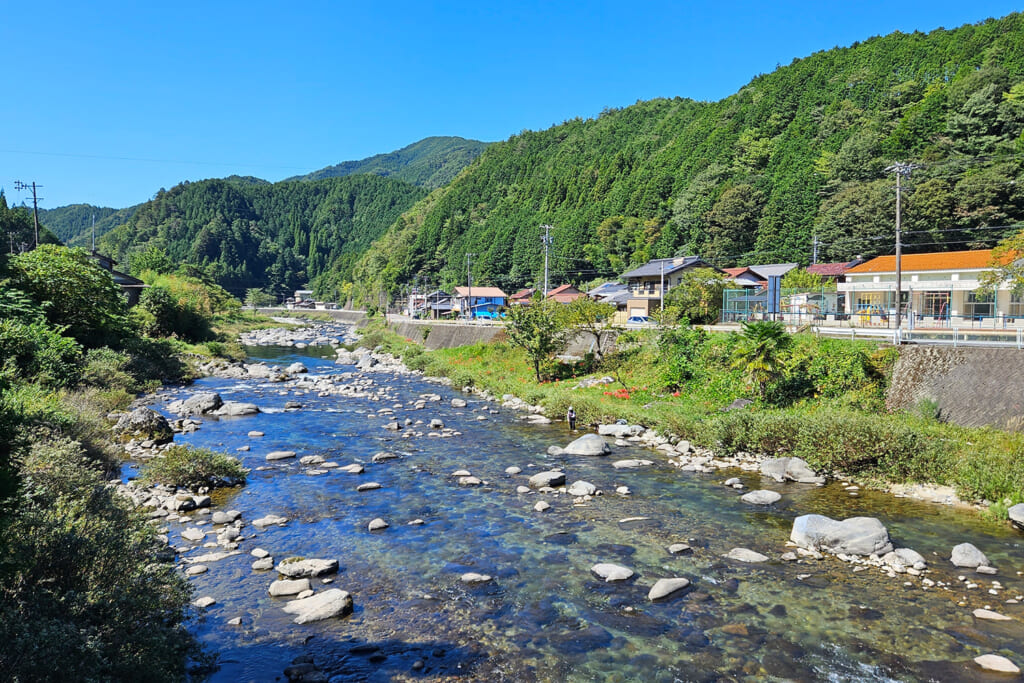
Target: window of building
935 304
979 304
1016 308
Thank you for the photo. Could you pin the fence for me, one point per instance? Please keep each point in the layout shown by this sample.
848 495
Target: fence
794 306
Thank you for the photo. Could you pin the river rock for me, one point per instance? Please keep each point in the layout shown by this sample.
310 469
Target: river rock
295 568
458 403
237 409
369 486
309 460
197 404
378 524
901 558
296 369
513 470
762 497
1016 515
542 506
990 615
196 570
588 444
631 463
582 488
550 478
263 564
666 587
331 603
285 587
998 663
469 481
746 555
620 431
193 534
269 520
473 577
354 468
966 555
204 602
144 423
853 536
611 572
280 455
383 456
790 469
677 548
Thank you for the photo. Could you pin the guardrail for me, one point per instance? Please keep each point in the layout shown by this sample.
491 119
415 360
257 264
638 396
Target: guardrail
1011 338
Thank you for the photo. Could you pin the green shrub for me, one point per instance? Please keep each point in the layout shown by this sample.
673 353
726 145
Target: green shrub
193 468
83 595
38 352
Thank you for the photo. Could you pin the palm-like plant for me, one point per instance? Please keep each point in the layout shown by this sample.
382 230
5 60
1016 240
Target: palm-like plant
760 353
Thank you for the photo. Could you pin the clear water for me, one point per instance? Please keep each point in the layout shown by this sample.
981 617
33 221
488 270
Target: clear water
545 616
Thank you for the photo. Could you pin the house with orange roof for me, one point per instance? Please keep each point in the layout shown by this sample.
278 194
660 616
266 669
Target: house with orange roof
564 294
937 288
522 297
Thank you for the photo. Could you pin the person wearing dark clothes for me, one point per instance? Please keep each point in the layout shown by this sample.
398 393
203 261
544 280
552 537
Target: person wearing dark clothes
571 418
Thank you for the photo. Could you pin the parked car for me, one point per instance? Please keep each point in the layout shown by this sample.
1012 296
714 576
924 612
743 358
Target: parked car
639 320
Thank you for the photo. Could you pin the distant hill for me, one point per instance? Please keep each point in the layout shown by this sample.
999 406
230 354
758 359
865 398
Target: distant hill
72 224
278 237
795 159
430 163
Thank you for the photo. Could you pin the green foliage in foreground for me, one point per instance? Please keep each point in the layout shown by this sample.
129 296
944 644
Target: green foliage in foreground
827 406
193 468
83 593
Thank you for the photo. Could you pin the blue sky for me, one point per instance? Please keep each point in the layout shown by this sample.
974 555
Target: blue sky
108 102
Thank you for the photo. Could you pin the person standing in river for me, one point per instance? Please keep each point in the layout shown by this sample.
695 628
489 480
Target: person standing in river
570 417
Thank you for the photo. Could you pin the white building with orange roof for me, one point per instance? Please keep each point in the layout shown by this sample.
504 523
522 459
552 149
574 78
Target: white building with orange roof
940 288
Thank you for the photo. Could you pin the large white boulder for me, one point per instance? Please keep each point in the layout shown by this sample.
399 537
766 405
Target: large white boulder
853 536
330 603
550 478
588 444
295 568
790 469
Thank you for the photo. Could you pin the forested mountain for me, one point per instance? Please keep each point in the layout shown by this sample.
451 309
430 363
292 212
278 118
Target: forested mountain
278 237
430 163
795 155
73 223
18 229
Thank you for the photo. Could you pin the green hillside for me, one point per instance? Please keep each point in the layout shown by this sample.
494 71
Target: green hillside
430 163
274 236
796 154
73 224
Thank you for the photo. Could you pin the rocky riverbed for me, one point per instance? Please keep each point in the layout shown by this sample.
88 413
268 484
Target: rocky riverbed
396 527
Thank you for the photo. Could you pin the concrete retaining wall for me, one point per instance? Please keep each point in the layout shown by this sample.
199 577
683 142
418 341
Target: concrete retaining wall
972 386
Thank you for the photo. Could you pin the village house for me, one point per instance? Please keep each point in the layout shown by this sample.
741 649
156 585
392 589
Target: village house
564 294
479 302
645 283
938 289
130 286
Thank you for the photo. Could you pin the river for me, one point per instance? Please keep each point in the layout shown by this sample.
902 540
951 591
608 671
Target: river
545 616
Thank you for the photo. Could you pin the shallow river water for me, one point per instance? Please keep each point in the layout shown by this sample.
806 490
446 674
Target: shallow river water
545 616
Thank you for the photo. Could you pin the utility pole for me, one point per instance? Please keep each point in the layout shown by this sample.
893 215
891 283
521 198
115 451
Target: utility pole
546 239
900 169
469 285
662 290
18 185
814 249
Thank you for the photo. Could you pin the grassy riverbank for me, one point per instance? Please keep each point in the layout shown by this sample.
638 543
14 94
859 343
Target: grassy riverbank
826 404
